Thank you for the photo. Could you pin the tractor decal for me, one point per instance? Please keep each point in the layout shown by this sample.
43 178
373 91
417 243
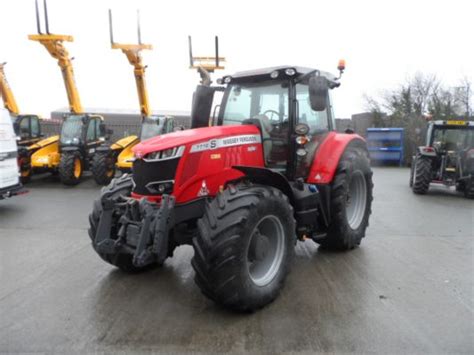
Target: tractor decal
226 142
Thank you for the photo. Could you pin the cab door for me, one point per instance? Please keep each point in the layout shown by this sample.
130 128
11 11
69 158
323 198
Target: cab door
93 135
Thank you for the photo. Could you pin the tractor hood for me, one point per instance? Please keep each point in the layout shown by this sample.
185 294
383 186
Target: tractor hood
193 136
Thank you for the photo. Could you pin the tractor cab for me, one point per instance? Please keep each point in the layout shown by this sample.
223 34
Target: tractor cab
27 129
153 126
290 105
450 136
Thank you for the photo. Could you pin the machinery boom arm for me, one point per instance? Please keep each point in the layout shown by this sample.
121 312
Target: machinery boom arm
55 47
6 93
133 54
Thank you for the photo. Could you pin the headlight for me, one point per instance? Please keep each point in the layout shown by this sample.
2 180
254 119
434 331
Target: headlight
301 140
170 153
290 71
274 74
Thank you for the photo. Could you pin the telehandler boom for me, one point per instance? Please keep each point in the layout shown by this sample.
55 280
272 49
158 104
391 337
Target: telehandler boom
119 154
81 134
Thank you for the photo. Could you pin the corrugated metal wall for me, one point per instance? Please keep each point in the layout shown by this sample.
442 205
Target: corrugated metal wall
122 123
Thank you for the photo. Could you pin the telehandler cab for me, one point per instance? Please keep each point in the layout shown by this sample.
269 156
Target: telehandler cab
271 170
27 128
70 153
119 154
447 158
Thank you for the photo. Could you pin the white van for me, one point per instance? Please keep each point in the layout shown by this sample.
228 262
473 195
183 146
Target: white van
9 173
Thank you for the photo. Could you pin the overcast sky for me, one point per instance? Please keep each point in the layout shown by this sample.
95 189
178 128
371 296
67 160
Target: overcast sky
382 41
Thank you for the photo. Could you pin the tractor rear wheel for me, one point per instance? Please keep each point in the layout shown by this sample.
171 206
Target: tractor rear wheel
70 168
412 171
469 189
103 167
119 186
244 247
422 175
351 201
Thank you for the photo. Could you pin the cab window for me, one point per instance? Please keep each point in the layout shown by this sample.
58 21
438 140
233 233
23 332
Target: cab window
25 127
316 120
91 130
35 127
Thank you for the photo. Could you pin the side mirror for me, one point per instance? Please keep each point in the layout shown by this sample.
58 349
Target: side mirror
318 92
201 107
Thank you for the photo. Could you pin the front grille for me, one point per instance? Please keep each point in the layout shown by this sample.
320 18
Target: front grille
148 172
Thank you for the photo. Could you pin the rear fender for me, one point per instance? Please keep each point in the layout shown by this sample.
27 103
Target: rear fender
328 155
124 143
427 151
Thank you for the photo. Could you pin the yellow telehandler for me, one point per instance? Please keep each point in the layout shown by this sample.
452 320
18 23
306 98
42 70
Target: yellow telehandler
26 126
70 153
119 155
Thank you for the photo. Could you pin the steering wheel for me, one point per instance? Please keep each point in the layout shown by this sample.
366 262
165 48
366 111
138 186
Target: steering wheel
272 112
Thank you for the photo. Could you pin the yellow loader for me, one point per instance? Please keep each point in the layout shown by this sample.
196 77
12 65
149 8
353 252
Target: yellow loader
70 153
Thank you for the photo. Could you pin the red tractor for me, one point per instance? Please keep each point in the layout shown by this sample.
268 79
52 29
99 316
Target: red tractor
269 170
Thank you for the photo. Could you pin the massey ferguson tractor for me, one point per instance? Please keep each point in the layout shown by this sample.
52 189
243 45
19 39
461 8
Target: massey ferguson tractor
447 158
269 170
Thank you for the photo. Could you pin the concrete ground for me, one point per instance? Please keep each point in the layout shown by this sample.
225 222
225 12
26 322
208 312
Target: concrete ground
407 289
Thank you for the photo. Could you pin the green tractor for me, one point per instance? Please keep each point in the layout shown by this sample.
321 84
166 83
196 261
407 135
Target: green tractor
447 158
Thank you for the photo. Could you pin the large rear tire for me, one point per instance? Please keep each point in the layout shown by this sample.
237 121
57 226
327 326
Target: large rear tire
412 171
351 201
119 186
469 189
245 245
422 176
70 168
103 167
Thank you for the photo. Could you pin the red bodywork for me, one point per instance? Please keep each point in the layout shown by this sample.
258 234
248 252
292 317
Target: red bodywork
328 155
210 153
207 161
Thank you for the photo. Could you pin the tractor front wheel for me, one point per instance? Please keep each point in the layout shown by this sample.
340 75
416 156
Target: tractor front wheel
70 168
351 201
103 167
245 245
422 175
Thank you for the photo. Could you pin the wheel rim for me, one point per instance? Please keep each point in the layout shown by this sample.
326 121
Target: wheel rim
77 168
356 200
265 251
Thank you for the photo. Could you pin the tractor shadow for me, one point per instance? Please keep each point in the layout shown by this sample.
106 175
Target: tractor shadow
165 307
47 181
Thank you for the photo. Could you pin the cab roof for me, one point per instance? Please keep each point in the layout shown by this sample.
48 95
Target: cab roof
453 123
263 74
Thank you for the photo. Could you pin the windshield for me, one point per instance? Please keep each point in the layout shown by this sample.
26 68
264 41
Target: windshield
151 127
453 138
255 101
71 130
